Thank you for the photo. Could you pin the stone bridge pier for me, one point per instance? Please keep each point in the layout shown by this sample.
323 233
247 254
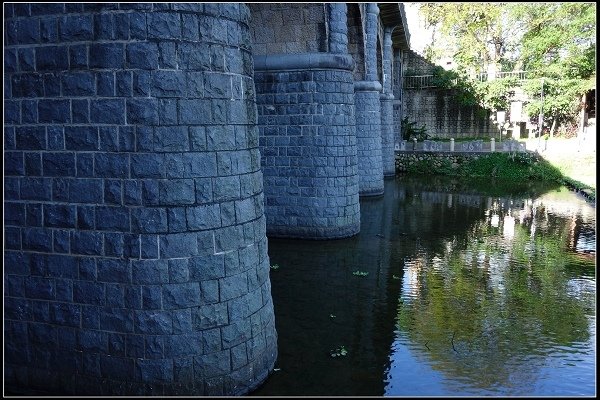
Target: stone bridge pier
149 149
322 116
135 257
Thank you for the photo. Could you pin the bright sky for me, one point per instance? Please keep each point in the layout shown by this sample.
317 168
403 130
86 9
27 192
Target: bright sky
419 36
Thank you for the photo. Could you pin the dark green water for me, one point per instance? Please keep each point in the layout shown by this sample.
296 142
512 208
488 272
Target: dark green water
448 290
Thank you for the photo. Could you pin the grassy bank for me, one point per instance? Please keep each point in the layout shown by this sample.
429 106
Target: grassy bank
506 167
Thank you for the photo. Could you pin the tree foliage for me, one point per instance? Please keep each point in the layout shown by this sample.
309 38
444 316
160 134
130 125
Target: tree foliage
475 30
554 41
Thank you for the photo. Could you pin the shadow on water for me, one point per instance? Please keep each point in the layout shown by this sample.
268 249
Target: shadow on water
449 289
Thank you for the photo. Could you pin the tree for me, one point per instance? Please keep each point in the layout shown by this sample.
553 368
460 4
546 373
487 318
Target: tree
556 41
477 32
559 45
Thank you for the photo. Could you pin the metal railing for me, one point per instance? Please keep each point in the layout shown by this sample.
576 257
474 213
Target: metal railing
429 81
420 81
520 75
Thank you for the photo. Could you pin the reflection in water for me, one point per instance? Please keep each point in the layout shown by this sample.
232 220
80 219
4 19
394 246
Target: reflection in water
467 293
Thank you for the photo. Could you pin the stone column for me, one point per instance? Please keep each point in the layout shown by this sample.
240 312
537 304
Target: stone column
398 94
387 108
136 256
368 113
308 144
338 28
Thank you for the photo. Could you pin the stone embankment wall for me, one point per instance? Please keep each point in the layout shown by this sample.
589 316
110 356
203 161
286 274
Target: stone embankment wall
135 257
438 108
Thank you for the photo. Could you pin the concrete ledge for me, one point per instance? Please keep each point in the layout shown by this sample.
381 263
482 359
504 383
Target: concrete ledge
384 96
371 193
287 62
313 233
367 86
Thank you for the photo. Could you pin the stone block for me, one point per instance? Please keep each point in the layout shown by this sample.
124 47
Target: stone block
112 192
171 138
113 244
167 112
107 55
111 165
150 272
203 217
124 83
116 367
116 319
29 111
153 322
86 243
178 245
149 220
34 215
52 58
14 163
81 138
141 83
142 111
137 25
54 111
154 371
110 111
92 341
132 192
85 191
177 192
181 295
151 297
105 83
88 292
112 218
76 28
149 246
176 219
85 164
59 164
168 83
65 314
162 25
213 364
78 56
80 111
60 216
29 138
37 239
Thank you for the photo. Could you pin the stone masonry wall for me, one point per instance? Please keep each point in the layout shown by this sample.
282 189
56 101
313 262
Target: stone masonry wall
308 147
444 117
356 40
135 257
288 28
368 138
438 109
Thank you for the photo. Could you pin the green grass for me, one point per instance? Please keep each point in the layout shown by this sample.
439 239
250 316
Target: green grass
509 167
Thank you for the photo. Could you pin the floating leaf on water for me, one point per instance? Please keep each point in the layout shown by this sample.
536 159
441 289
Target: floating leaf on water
274 266
395 277
339 352
360 273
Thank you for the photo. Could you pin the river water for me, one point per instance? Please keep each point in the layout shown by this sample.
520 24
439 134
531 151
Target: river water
450 289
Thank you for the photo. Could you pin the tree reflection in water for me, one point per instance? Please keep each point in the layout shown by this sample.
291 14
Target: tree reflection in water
489 307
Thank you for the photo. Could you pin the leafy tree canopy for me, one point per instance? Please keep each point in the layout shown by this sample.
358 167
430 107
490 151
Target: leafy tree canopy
554 41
